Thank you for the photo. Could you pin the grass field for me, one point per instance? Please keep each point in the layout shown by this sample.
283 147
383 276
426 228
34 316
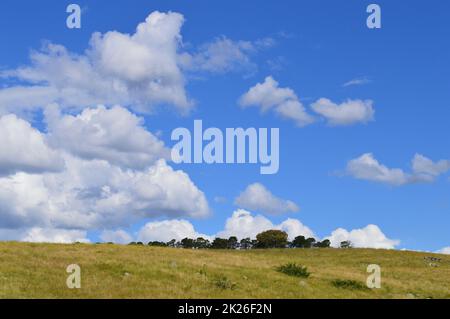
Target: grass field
114 271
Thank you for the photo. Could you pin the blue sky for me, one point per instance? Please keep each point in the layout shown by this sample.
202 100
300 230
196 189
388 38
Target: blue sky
315 48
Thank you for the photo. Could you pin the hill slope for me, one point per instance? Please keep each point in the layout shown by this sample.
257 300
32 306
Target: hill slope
113 271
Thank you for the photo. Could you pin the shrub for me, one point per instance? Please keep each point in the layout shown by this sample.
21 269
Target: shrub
348 284
223 282
295 270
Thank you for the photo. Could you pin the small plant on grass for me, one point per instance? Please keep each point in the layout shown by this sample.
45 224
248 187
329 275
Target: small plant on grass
295 270
224 283
348 284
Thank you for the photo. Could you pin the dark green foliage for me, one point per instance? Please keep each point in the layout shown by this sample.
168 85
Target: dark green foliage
246 243
323 244
202 243
293 269
157 244
348 284
302 242
232 242
187 243
219 243
272 239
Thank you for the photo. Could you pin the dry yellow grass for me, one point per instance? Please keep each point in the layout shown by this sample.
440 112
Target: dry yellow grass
114 271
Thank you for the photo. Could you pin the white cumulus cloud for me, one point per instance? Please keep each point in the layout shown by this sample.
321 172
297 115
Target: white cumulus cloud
346 113
257 197
366 167
24 148
167 230
243 224
116 236
60 236
138 70
141 70
370 236
283 101
424 168
95 194
114 134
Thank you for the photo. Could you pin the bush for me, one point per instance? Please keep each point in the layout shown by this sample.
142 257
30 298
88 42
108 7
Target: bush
295 270
348 284
223 282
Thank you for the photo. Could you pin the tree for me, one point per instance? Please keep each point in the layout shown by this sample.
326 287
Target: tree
310 242
246 243
187 243
232 242
202 243
346 244
171 243
272 239
157 244
219 243
299 242
323 244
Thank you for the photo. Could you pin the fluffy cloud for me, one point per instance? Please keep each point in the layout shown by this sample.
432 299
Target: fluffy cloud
368 237
243 224
445 251
347 113
269 96
115 135
64 236
284 102
366 167
427 170
24 148
167 230
138 70
43 235
258 198
116 236
96 194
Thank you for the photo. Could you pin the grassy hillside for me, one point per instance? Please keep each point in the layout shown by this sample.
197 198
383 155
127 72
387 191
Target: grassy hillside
113 271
